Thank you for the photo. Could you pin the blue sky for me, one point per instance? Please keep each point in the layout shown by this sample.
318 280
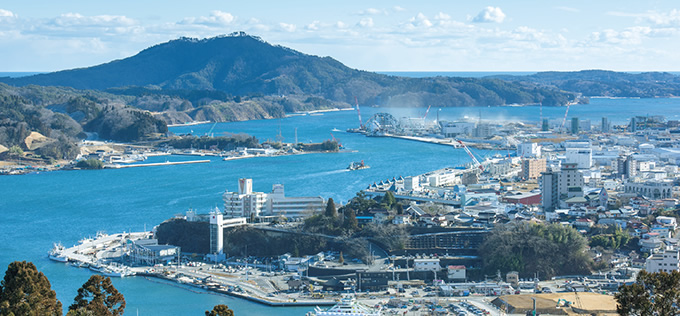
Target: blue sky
449 35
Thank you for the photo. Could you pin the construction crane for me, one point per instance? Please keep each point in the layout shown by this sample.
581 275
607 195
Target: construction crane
361 124
564 120
337 141
211 129
467 150
428 111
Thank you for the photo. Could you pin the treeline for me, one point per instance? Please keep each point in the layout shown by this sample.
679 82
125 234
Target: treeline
531 248
606 83
27 292
19 117
230 142
327 145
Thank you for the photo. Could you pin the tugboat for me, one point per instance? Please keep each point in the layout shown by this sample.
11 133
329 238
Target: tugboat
347 306
357 165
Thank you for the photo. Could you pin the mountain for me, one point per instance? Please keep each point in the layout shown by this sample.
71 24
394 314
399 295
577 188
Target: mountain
606 83
243 65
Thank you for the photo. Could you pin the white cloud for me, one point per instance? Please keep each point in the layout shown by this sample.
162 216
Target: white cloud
371 11
490 14
314 26
341 25
442 16
366 22
76 19
216 18
629 36
7 14
670 18
287 27
419 20
398 9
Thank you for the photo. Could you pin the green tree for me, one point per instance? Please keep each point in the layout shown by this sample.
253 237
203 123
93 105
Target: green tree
331 211
25 291
651 294
400 209
530 248
16 151
90 163
98 296
351 222
389 200
220 310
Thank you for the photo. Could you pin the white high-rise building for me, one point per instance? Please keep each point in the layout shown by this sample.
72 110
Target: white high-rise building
249 204
528 150
570 176
579 153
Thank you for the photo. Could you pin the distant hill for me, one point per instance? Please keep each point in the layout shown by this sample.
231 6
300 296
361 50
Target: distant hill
243 65
606 83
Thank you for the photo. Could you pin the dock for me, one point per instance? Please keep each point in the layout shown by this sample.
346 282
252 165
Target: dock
167 163
103 255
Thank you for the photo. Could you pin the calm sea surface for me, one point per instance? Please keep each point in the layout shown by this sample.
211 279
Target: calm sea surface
39 209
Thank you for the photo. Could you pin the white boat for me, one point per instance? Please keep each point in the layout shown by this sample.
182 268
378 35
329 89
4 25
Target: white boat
56 253
347 306
357 165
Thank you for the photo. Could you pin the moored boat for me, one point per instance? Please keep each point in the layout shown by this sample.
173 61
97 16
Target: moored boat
347 306
57 253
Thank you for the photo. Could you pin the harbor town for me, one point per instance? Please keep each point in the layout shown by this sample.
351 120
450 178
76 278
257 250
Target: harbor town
592 178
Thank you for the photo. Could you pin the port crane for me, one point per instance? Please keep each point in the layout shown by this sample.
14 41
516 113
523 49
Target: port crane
427 111
564 120
474 159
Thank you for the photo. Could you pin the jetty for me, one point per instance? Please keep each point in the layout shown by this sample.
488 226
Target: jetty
154 164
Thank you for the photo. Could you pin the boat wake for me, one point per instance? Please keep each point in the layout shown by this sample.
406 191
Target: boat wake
320 174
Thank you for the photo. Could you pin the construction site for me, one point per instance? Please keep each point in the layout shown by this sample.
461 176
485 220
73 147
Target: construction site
562 303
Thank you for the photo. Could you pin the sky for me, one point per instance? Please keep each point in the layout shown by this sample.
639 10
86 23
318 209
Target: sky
452 35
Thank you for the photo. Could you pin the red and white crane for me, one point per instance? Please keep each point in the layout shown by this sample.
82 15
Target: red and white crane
427 111
467 150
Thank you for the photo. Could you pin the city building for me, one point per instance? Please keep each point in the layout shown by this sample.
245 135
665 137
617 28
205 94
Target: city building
574 125
424 264
666 261
655 189
579 153
528 150
550 193
455 129
148 252
266 206
532 168
605 125
456 273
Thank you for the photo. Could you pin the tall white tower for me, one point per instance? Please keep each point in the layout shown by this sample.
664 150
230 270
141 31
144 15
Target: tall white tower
216 232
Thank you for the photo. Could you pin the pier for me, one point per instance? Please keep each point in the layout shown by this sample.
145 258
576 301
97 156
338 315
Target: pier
167 163
104 254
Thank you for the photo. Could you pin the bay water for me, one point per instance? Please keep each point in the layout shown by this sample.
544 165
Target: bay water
39 209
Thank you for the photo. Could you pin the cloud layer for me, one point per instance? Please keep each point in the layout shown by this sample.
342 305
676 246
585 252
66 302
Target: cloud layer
372 38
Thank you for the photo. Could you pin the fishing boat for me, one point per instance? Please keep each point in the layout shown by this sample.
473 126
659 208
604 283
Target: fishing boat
57 253
348 306
357 165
